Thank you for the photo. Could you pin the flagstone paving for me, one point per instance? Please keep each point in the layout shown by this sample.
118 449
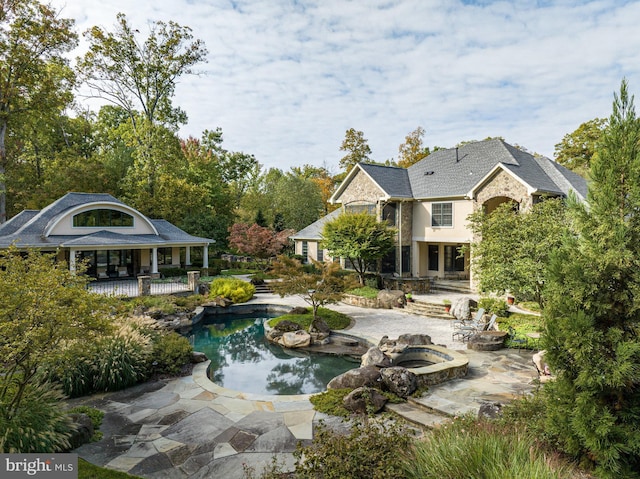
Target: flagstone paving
190 427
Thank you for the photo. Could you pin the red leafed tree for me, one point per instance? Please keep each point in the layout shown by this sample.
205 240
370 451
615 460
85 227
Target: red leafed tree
259 242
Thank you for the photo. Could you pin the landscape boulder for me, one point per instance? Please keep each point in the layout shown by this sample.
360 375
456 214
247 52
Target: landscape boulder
490 410
355 378
364 400
319 330
461 308
414 339
375 357
295 339
82 432
399 381
388 299
198 357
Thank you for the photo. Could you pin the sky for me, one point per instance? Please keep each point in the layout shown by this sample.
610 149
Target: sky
285 79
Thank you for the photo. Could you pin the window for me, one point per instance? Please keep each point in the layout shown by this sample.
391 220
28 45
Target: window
320 253
102 218
442 214
453 258
389 213
305 251
361 208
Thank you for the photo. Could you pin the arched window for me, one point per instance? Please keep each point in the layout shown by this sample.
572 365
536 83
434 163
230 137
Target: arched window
103 218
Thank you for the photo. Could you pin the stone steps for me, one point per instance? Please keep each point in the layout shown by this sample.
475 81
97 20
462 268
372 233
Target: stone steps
431 310
418 414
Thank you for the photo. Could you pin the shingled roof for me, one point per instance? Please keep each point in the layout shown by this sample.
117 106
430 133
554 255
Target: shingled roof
455 172
28 229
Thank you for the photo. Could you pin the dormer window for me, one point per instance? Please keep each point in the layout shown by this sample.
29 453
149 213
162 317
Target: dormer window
103 218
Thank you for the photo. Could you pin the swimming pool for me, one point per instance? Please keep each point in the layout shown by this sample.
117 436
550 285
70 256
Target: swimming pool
243 360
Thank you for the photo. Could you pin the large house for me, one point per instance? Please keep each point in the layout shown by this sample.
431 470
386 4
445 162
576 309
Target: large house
430 201
115 240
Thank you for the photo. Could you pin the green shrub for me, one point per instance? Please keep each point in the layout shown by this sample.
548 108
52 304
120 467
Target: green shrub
173 272
38 425
121 361
236 290
170 352
96 417
496 306
471 448
330 402
368 450
365 292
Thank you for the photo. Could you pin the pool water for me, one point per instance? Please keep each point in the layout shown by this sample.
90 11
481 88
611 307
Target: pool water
243 360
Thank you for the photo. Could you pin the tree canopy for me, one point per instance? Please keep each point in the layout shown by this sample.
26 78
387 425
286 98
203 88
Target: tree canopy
577 149
412 150
512 249
359 238
357 148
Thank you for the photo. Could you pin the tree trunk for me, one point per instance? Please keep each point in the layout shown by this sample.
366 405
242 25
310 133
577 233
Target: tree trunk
3 162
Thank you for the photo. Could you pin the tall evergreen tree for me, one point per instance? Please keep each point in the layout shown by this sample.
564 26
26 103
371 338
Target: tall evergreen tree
593 312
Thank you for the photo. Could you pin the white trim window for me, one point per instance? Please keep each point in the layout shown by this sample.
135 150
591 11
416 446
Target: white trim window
442 215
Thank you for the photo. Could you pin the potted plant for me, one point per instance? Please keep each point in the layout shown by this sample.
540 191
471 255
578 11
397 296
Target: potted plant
447 305
409 297
510 300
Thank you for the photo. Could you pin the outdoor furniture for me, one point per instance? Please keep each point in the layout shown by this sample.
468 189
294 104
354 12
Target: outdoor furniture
458 323
465 332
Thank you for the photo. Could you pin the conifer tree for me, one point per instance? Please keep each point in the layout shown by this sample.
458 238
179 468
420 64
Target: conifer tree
593 310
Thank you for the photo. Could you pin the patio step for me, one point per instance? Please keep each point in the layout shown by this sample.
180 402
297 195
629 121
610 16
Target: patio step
431 310
452 286
418 414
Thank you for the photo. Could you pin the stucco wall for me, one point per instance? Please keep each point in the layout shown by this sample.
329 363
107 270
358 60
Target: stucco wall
458 233
65 225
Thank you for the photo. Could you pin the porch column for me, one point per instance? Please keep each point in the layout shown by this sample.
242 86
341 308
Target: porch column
205 256
187 256
154 261
72 260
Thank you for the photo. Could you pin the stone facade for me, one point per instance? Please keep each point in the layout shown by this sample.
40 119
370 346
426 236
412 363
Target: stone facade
504 185
362 190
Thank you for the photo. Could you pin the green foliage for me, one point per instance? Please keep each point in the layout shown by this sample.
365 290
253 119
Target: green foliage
38 424
515 247
471 448
495 306
86 470
171 352
334 319
324 285
365 292
369 450
43 307
592 313
96 417
330 402
360 238
236 290
577 149
120 361
357 148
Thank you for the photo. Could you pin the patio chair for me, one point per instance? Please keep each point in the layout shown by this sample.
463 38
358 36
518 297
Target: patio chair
465 332
458 323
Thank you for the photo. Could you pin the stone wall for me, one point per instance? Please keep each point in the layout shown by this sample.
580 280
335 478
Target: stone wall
362 189
504 185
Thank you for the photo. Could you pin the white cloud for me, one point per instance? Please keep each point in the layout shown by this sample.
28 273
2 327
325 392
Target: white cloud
286 78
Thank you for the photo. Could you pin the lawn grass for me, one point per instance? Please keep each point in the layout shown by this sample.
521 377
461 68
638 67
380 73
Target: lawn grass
334 319
86 470
522 324
365 292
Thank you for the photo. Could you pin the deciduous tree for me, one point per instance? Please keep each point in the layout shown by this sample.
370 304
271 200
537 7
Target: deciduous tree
357 148
412 150
359 238
576 149
259 242
318 287
34 74
512 249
